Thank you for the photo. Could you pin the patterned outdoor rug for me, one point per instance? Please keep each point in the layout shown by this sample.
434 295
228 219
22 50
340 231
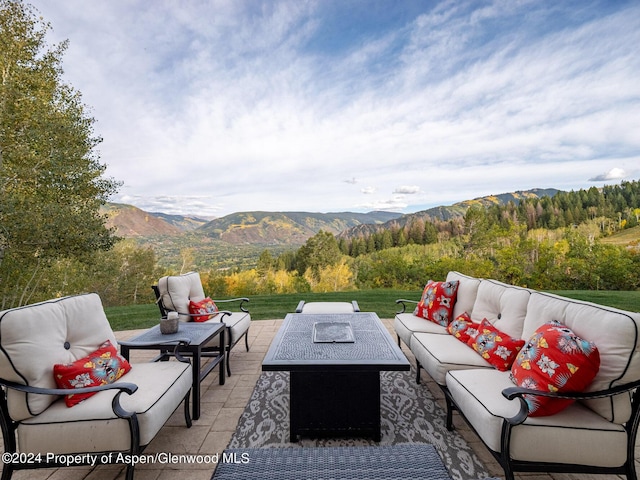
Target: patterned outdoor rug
409 414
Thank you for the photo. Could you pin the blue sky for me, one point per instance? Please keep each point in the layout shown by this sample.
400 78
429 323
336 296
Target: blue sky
220 106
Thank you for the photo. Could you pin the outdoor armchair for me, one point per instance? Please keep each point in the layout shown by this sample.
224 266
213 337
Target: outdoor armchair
177 292
53 353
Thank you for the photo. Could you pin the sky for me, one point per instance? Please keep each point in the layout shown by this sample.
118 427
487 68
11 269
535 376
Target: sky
209 107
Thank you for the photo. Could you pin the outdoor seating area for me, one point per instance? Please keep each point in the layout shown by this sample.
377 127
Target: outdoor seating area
220 434
548 383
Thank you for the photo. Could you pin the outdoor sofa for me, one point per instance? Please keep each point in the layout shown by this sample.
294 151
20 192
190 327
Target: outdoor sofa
595 433
52 353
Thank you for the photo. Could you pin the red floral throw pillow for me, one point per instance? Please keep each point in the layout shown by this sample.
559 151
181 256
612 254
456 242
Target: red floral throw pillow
554 359
496 347
204 309
101 367
463 328
438 299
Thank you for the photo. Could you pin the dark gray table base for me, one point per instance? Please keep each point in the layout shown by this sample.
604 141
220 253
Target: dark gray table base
399 462
335 404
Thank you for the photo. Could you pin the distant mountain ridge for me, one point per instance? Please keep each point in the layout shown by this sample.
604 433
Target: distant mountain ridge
184 223
293 228
286 228
130 221
445 213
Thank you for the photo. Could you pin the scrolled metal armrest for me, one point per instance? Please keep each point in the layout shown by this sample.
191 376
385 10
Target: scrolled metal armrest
122 387
242 301
513 393
222 313
404 304
126 387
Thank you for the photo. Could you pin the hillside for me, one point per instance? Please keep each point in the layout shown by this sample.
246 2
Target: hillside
184 223
130 221
445 213
286 228
629 238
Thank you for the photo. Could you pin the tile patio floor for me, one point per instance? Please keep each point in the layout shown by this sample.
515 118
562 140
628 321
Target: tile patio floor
222 406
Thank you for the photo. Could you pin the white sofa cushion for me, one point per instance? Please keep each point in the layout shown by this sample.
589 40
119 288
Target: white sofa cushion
406 324
467 292
615 333
237 323
177 290
440 353
91 426
505 306
36 337
576 435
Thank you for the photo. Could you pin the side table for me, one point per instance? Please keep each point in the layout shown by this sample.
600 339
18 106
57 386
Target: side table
197 336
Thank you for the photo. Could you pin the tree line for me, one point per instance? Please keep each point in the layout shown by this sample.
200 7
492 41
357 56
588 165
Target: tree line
573 257
543 243
614 207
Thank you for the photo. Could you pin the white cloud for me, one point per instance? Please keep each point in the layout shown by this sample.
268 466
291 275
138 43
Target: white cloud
392 205
223 106
613 174
204 206
407 190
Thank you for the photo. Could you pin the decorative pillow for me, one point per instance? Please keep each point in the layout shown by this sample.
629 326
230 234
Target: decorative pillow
438 299
554 359
101 367
463 328
496 347
204 309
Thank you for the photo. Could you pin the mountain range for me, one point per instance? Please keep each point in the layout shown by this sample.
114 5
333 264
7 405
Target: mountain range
284 228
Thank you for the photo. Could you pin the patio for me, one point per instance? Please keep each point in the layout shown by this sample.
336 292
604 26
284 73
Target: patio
221 409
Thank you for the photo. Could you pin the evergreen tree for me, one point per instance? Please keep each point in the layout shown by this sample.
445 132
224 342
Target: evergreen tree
319 251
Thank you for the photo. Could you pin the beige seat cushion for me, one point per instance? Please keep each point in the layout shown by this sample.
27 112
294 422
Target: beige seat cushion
576 435
238 323
178 290
440 353
91 426
406 324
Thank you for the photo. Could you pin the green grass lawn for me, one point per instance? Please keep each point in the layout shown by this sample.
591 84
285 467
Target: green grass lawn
264 307
380 301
